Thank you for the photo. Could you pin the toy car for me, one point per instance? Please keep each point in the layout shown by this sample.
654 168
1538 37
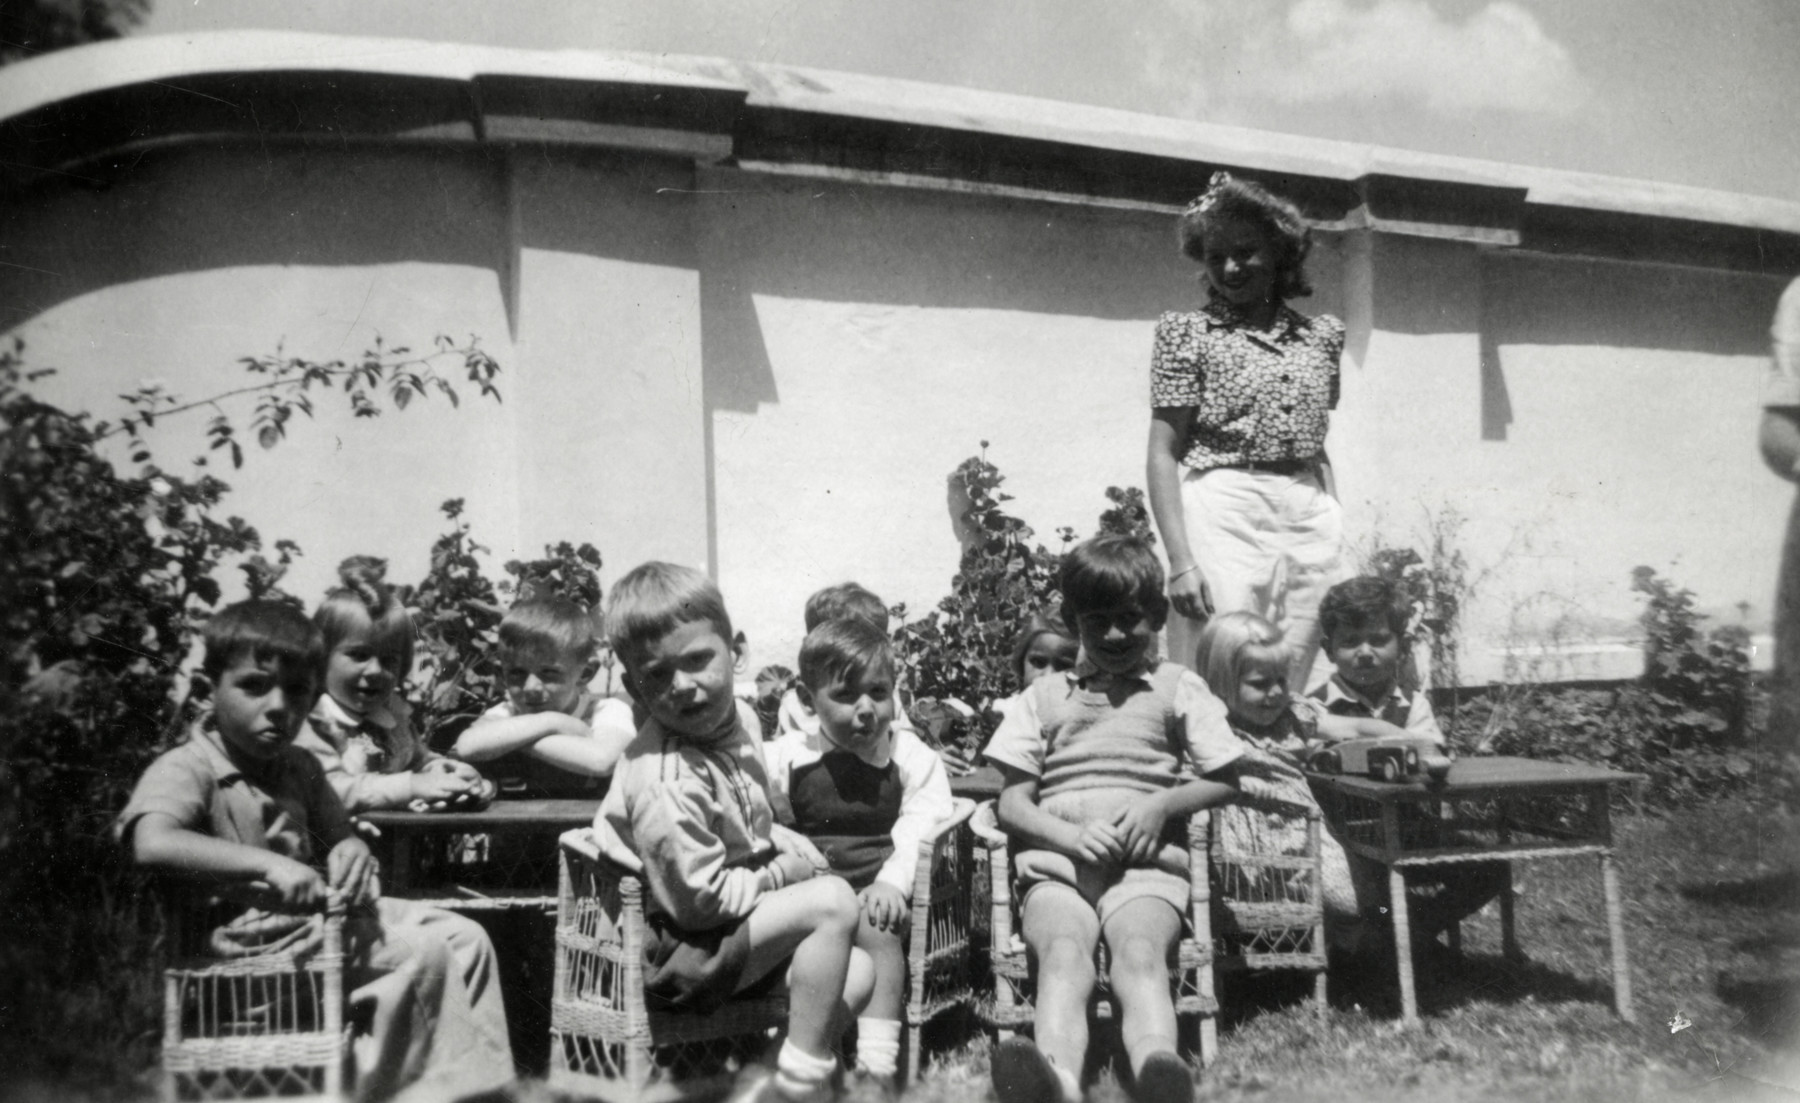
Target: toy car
1386 759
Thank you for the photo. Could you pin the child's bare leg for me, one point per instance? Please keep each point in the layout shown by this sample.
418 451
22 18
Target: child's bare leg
815 922
878 1030
1061 930
1138 939
887 952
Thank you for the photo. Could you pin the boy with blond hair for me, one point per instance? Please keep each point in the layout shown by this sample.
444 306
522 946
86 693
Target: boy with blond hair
734 900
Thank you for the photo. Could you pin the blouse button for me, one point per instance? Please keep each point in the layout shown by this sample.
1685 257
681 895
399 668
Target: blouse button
1285 378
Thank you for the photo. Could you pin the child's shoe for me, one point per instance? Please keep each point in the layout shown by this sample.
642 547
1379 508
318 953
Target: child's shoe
1165 1078
1022 1074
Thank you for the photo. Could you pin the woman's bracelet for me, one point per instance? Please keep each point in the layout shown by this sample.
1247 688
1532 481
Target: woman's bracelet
1189 569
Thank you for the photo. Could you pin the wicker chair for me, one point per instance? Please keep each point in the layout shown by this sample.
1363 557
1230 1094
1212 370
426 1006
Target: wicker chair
248 1027
605 1041
939 977
1248 912
1268 908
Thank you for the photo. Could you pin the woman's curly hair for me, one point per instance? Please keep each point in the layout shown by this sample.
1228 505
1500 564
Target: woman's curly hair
1230 199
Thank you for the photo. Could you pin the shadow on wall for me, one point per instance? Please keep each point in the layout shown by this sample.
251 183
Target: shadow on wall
830 242
196 209
1542 300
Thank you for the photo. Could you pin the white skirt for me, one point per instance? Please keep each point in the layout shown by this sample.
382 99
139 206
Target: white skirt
1267 544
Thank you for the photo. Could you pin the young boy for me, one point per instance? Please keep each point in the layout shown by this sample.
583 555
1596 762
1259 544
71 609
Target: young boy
733 898
550 733
1364 626
845 601
1101 764
866 793
243 813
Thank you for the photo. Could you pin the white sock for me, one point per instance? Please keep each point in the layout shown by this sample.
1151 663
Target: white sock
798 1072
878 1046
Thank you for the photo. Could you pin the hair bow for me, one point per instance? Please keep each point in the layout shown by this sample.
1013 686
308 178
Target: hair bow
1215 187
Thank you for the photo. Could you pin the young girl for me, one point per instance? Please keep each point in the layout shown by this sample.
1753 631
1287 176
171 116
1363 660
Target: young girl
1045 646
1100 765
1242 391
1246 660
361 729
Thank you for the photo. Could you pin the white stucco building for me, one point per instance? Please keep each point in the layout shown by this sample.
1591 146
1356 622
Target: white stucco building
750 317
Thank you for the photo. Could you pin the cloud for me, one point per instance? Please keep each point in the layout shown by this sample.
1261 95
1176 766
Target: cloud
1217 58
1498 59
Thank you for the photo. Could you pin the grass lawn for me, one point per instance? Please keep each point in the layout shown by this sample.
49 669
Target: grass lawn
1713 922
1712 911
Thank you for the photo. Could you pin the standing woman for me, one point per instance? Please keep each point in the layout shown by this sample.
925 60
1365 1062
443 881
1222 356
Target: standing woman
1241 393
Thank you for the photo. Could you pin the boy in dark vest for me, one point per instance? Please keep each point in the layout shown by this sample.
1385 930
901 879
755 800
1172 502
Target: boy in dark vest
867 793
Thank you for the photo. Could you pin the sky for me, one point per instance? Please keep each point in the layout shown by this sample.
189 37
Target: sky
1702 94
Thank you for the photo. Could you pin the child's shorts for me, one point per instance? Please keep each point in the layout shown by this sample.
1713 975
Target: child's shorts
698 970
1105 892
1164 877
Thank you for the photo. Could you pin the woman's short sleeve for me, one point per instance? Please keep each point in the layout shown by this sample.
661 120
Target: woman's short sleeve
1334 347
1175 376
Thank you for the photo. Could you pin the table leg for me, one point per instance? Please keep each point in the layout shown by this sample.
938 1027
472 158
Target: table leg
1509 936
1615 925
1409 1003
399 879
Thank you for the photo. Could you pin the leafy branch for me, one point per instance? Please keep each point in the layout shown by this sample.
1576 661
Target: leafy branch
289 380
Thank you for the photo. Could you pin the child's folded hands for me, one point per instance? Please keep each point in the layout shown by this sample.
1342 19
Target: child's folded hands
794 868
1139 826
1100 843
789 841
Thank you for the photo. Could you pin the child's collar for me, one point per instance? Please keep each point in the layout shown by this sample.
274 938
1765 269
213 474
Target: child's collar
229 763
1336 689
336 712
1085 670
877 756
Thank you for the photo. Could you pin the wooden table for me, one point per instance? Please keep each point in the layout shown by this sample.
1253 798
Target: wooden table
502 857
1495 809
499 867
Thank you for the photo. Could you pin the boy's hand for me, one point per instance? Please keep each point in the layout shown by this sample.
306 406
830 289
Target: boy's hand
884 906
1140 827
456 767
433 784
353 871
789 841
1100 844
794 868
955 764
296 885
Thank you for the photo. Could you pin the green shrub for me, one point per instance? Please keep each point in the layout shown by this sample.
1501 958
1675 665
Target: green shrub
457 611
956 659
105 576
1684 724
